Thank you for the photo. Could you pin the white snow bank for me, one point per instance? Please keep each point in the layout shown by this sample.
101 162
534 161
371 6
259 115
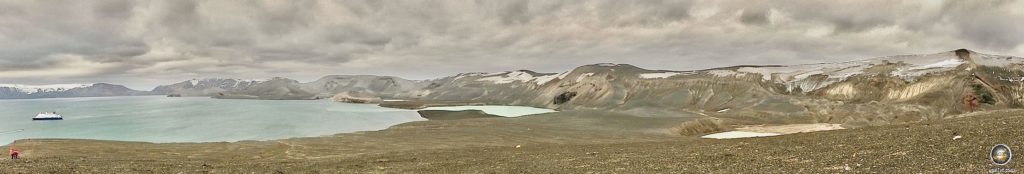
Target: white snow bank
495 73
545 79
738 134
583 76
763 131
722 73
509 77
658 75
519 76
949 63
563 75
995 60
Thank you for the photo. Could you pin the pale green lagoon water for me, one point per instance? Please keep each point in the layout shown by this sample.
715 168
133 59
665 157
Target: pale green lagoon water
191 119
505 111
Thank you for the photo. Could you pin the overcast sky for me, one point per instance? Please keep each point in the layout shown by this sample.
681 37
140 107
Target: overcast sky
142 44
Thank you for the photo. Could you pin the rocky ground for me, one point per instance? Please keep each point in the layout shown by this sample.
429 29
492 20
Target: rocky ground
564 142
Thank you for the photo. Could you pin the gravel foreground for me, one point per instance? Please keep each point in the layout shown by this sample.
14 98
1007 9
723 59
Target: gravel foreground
566 142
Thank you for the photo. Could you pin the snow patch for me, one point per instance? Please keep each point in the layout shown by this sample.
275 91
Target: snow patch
949 63
509 77
520 76
583 76
249 81
804 75
1011 79
545 79
764 131
738 134
461 75
495 73
563 75
606 64
766 74
995 60
658 75
722 73
920 65
253 80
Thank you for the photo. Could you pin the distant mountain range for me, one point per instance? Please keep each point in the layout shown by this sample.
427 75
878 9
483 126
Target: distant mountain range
16 91
877 91
884 90
287 89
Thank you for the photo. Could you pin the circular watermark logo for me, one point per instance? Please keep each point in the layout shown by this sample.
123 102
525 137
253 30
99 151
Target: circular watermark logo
1000 154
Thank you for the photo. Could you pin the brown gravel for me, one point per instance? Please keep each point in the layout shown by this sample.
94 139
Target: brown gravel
566 142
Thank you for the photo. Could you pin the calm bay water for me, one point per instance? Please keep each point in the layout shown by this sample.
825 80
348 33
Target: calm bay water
505 111
191 119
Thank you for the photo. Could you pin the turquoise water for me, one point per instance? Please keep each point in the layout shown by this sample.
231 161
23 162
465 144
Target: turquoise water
191 119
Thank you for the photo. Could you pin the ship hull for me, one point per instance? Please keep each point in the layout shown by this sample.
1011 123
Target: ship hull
41 119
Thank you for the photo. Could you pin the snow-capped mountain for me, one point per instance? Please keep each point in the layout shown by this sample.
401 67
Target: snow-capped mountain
382 86
206 87
875 91
883 90
284 88
31 89
20 91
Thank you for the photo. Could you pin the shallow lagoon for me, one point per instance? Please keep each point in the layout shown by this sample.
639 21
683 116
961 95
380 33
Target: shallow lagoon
191 119
504 111
200 119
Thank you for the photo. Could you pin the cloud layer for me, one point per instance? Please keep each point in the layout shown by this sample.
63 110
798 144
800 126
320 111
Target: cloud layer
146 43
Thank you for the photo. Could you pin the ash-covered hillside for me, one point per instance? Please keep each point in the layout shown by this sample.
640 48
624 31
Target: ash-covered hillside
884 90
876 91
205 87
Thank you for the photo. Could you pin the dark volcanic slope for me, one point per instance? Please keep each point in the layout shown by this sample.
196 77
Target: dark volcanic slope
870 92
488 146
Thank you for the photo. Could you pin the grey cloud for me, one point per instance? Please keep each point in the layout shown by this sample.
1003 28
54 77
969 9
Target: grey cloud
513 12
653 12
114 9
989 28
145 43
755 16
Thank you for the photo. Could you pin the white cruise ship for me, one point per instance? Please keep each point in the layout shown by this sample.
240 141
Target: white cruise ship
48 116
